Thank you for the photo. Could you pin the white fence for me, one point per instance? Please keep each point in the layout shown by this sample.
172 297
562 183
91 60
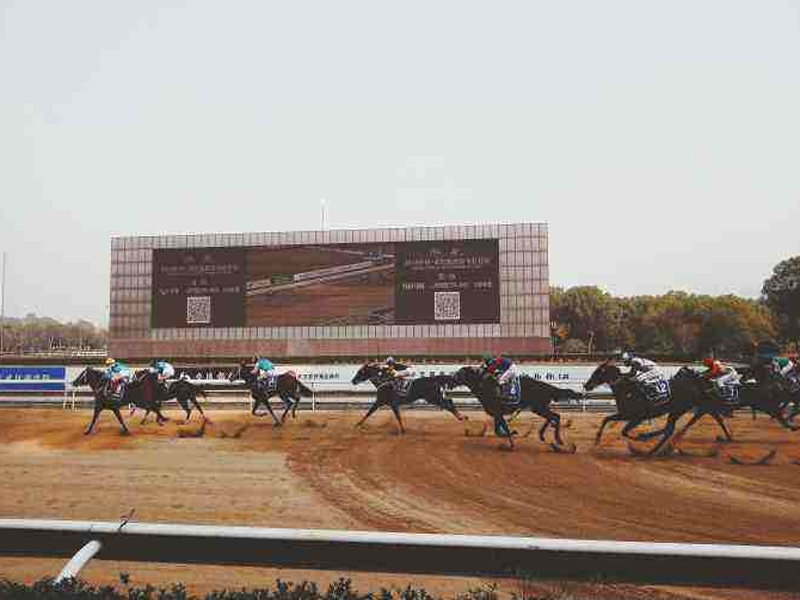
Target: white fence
760 567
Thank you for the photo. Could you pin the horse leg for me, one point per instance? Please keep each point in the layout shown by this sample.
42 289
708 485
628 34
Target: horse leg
778 415
375 406
668 431
721 422
121 422
556 421
455 412
193 400
396 411
631 425
146 414
287 406
502 429
648 435
277 423
610 418
295 405
97 410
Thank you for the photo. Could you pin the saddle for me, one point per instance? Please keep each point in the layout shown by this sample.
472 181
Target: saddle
510 393
401 386
653 390
268 384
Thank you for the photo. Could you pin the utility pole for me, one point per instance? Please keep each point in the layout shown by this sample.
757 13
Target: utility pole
322 205
3 308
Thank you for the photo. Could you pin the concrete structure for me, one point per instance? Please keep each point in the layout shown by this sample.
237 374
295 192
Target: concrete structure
521 329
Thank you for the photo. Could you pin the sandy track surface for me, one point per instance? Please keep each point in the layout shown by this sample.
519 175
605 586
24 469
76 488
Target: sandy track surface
320 472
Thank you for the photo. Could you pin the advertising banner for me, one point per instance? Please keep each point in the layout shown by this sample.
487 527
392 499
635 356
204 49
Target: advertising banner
32 379
447 282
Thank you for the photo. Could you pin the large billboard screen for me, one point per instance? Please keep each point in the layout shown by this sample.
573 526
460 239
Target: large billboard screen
432 282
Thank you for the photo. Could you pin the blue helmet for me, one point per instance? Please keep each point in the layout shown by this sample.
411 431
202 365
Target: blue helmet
390 360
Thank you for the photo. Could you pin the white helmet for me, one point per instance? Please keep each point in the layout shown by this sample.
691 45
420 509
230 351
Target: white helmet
626 356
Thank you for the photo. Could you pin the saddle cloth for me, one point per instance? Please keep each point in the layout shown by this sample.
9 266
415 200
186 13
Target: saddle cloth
402 386
268 384
653 387
730 392
510 391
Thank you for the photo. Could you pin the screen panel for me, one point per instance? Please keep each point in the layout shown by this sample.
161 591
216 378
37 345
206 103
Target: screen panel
327 285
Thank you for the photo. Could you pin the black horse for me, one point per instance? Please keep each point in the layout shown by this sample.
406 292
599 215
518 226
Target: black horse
685 396
391 394
536 396
183 391
287 387
487 390
141 393
766 391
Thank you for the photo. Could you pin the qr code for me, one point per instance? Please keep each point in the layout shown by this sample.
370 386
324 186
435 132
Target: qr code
198 309
447 306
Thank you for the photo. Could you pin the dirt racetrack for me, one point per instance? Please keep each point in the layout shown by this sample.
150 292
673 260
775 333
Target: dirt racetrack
320 472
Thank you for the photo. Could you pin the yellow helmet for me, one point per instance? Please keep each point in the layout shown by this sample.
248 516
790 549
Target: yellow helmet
110 361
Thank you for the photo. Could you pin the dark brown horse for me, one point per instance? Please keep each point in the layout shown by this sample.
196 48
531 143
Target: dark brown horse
536 396
685 396
392 394
140 392
287 387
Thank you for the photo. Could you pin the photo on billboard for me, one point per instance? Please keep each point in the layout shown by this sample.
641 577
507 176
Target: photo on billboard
324 285
328 285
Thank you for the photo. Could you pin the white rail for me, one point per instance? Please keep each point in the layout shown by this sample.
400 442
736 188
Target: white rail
759 567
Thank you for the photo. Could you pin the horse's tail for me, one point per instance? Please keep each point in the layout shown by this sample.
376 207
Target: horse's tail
303 390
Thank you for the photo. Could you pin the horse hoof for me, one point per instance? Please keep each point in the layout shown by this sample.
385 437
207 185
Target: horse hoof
564 448
125 432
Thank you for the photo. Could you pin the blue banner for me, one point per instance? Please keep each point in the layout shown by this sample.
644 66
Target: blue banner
32 379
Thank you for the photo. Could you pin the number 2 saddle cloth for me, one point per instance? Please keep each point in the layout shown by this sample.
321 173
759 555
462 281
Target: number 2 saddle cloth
653 388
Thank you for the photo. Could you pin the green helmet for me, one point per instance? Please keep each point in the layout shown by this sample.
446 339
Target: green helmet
487 358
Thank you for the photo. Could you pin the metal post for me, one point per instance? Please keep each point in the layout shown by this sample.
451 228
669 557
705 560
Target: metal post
74 566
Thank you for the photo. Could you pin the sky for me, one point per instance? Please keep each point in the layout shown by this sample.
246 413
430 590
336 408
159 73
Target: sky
660 140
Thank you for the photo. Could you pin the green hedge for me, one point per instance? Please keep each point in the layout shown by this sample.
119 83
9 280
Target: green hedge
340 590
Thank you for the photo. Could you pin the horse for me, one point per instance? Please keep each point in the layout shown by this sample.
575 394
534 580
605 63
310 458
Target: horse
183 391
487 390
770 393
429 389
139 392
287 387
685 396
536 396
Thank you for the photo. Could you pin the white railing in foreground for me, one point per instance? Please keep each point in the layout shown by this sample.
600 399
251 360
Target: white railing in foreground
761 567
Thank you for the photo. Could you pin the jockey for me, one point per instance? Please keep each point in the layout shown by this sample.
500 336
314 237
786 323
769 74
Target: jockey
163 369
117 375
507 374
723 376
264 371
644 374
785 366
394 369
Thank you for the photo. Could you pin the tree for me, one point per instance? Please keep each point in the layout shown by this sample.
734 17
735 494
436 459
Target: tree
781 293
586 311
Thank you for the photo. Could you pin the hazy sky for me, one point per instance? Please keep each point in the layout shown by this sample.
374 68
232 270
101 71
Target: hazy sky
660 140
